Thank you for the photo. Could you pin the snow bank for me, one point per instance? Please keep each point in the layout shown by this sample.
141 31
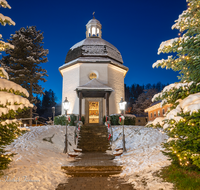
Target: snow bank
143 156
37 164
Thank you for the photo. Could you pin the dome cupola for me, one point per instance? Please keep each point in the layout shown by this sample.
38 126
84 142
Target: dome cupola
93 28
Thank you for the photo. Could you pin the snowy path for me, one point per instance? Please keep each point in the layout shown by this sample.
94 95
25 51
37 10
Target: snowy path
143 156
38 163
37 166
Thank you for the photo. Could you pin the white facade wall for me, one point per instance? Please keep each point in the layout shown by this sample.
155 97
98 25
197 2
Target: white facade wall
100 69
116 81
78 75
70 83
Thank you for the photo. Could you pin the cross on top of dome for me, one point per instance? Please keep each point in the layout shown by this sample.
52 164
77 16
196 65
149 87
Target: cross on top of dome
93 28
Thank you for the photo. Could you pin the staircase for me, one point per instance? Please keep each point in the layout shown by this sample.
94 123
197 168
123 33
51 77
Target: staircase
94 139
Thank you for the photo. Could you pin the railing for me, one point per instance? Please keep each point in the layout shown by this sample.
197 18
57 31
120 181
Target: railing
36 118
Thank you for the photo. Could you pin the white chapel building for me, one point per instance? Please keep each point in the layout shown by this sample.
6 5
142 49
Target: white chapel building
93 76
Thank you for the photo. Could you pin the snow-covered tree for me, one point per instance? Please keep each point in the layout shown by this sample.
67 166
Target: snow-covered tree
13 100
182 123
144 101
186 45
23 62
5 20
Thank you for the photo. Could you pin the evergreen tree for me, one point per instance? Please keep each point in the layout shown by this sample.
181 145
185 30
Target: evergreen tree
13 100
48 101
23 62
187 45
182 125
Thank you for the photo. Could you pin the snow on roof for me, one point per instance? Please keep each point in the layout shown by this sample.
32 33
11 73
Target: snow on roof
94 60
92 47
94 84
93 21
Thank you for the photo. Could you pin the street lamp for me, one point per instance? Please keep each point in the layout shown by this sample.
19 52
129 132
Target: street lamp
122 106
53 111
66 105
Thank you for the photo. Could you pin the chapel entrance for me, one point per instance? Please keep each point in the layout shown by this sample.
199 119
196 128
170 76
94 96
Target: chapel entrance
93 112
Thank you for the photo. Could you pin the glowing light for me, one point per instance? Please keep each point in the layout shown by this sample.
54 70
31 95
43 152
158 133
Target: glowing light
93 30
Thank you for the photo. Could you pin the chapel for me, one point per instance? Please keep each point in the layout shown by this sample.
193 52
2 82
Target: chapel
93 76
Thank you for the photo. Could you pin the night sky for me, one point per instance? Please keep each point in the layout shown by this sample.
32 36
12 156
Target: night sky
136 28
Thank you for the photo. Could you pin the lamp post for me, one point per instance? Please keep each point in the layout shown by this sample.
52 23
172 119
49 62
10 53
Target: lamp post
66 105
53 111
122 106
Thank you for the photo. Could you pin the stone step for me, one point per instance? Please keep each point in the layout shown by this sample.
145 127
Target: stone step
92 170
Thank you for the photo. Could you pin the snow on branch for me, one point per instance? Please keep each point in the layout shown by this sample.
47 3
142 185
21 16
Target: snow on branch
162 61
13 99
4 4
166 44
4 45
3 73
8 85
170 87
182 18
6 20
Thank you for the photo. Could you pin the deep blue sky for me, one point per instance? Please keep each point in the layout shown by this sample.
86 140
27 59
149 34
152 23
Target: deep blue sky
136 28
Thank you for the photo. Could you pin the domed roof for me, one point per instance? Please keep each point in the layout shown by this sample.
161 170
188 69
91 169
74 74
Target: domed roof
93 21
93 47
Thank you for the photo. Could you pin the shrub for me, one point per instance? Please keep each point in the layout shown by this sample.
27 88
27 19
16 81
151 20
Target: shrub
73 118
129 120
114 119
83 119
104 119
60 120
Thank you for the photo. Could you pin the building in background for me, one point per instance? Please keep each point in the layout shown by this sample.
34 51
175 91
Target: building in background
141 119
93 76
155 110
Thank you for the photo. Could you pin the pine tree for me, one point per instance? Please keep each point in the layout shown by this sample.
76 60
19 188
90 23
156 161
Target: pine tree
48 101
23 62
186 46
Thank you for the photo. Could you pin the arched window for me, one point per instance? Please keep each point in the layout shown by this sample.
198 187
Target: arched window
93 31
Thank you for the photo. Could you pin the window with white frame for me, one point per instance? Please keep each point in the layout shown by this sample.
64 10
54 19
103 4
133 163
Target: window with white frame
158 112
151 115
154 114
163 111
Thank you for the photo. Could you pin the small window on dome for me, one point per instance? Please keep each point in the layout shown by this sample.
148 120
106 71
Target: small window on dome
92 76
93 31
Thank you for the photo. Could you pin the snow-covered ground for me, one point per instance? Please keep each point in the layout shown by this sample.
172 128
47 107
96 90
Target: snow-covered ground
143 156
37 164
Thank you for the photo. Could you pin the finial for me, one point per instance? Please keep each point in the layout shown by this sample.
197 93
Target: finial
93 14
